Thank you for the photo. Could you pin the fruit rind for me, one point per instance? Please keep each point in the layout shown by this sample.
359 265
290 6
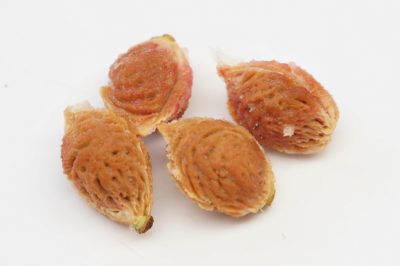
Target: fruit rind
169 105
108 164
282 105
252 202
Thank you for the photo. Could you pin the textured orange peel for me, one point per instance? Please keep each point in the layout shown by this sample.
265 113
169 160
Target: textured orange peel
218 165
150 83
109 165
282 105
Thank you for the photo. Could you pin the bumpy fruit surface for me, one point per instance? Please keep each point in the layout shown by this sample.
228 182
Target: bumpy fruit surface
282 105
109 165
151 83
218 165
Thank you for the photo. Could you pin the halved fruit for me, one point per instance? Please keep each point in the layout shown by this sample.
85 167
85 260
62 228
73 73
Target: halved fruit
218 165
150 84
282 105
109 165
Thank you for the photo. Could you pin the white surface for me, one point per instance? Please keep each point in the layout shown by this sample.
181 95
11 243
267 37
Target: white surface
340 207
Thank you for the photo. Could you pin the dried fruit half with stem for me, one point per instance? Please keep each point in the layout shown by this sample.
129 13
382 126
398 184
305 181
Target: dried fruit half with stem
218 165
282 105
108 164
151 83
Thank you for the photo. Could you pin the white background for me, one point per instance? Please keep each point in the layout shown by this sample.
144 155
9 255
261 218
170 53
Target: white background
340 207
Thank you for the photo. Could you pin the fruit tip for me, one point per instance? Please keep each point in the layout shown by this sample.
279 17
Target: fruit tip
222 58
72 109
143 224
165 37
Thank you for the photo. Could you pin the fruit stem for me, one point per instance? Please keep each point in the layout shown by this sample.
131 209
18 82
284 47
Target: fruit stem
165 37
143 223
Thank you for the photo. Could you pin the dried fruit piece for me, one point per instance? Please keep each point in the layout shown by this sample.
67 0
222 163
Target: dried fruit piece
282 105
151 83
109 165
219 165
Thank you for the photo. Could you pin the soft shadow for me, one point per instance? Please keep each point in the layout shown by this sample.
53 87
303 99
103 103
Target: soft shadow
298 157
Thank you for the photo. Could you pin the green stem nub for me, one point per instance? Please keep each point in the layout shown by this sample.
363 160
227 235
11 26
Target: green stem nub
165 37
143 223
